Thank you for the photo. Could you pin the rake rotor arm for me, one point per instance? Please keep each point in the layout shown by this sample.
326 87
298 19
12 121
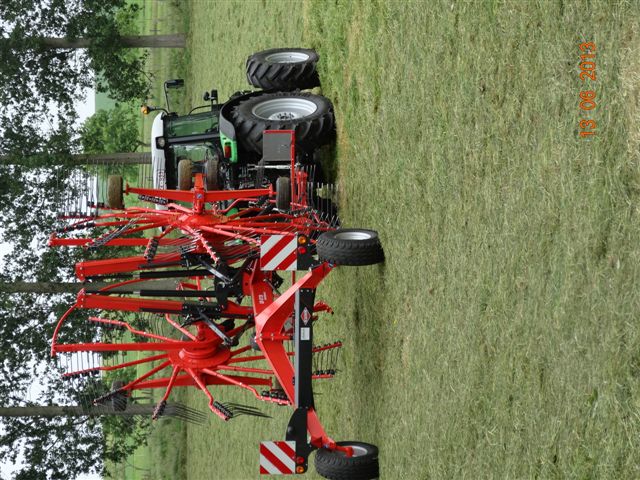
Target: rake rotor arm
82 242
184 380
203 386
208 196
234 381
211 309
94 268
110 368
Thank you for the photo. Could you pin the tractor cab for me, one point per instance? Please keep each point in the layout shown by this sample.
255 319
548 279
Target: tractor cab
193 139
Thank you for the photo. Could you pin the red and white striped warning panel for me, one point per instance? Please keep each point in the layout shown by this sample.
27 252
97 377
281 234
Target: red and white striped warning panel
277 458
278 252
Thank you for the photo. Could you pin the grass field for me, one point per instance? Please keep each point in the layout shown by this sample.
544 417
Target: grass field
500 339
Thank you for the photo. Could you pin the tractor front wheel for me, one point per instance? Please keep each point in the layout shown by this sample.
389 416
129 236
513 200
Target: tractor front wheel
350 246
311 116
283 69
185 174
335 465
114 192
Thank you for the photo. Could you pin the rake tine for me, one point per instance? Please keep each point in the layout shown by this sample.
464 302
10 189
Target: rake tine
187 409
179 409
241 406
238 413
182 412
176 413
246 410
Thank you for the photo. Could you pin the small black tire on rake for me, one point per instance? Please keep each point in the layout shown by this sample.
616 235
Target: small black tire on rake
114 192
350 246
363 465
283 193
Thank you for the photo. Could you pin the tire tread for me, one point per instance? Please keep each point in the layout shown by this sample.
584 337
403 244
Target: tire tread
282 76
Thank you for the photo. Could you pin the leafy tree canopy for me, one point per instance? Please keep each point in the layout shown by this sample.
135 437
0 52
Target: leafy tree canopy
38 77
110 131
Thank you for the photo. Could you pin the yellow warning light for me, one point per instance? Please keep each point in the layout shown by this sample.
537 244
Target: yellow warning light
299 469
302 239
144 109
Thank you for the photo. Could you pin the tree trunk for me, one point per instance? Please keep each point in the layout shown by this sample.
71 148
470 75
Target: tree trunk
128 158
174 40
40 287
74 287
125 158
50 411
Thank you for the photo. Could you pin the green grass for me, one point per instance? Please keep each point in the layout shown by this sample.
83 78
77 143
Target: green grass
500 338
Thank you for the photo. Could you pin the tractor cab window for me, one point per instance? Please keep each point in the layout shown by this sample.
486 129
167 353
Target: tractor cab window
196 124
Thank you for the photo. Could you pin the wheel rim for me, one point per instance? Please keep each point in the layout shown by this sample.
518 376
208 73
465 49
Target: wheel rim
353 236
287 57
291 108
358 451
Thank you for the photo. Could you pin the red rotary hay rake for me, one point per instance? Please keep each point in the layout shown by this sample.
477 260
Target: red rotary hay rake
222 247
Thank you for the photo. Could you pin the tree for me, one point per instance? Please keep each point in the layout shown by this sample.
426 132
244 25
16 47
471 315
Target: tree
175 410
55 454
110 131
37 50
78 159
62 441
50 51
174 40
53 288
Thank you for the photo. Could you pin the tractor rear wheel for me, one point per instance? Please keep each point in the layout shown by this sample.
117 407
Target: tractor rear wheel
350 246
311 116
335 465
283 69
283 193
185 174
114 192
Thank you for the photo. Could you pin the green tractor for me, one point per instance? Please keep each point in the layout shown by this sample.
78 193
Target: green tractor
224 140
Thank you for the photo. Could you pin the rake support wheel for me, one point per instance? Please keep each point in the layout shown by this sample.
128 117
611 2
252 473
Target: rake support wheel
283 69
283 193
350 246
114 192
335 465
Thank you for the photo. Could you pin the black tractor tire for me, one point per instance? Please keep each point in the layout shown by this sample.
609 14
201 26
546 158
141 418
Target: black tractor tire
211 173
350 246
311 116
335 465
283 193
119 400
114 192
185 174
283 69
